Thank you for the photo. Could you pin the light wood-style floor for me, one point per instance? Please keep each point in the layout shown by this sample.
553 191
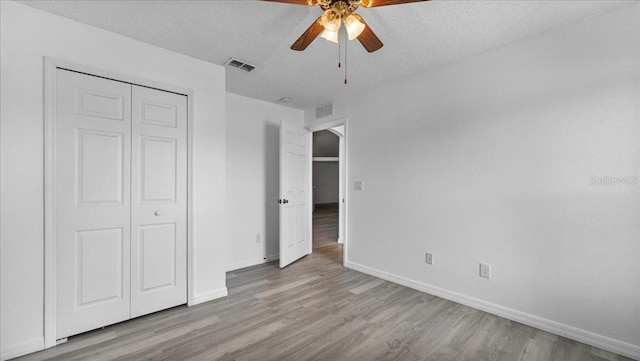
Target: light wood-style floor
317 310
325 226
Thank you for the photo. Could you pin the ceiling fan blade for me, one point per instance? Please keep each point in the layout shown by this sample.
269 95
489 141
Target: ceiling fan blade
308 36
294 2
378 3
368 38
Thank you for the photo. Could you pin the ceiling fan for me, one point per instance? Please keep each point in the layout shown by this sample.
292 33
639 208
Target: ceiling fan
337 12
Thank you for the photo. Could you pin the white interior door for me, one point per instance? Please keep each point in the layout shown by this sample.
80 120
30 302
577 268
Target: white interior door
93 127
158 200
295 240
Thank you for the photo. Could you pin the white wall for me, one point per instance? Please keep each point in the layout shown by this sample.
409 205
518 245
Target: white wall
253 133
490 160
26 37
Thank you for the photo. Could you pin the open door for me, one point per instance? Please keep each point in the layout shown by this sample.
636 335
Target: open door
295 241
342 182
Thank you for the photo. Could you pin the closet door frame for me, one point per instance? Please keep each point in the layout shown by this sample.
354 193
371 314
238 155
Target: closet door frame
50 242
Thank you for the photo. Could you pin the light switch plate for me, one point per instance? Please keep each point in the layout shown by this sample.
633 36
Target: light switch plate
358 185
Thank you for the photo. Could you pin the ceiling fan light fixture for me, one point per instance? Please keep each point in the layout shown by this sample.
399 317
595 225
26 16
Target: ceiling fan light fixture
330 20
330 35
354 26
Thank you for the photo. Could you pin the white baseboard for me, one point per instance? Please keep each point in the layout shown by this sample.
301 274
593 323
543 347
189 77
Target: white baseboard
209 296
589 338
252 262
22 348
245 264
273 257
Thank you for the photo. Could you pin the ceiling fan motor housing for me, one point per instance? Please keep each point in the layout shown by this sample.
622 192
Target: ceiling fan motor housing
344 7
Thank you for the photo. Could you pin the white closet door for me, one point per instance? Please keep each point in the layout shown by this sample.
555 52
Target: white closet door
159 200
92 166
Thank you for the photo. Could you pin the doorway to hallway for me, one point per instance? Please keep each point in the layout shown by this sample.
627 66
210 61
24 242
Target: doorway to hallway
326 194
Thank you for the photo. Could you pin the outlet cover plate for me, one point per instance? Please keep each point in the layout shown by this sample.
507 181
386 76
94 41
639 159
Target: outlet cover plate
485 270
428 258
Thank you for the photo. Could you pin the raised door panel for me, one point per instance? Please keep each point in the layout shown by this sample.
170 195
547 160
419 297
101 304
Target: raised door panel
99 255
100 167
158 256
301 197
289 215
92 169
158 113
101 104
158 170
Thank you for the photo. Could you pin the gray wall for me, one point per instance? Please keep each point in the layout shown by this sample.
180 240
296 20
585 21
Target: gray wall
325 144
325 178
326 174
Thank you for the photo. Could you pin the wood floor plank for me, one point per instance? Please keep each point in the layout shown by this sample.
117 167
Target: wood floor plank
315 309
286 286
367 286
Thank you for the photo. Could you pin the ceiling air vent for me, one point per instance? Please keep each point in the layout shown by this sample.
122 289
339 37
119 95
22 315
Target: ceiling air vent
240 65
324 111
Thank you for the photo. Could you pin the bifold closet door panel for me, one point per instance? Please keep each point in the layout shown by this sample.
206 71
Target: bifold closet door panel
158 200
92 198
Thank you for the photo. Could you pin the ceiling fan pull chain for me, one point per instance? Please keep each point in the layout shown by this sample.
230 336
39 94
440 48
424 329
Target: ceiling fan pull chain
339 51
345 58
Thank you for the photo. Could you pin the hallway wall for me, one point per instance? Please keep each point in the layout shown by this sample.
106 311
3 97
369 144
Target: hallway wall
325 175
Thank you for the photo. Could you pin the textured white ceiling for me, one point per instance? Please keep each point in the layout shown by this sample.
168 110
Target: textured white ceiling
417 37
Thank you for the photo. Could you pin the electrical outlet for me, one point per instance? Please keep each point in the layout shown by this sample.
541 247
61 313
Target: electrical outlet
258 238
428 258
485 270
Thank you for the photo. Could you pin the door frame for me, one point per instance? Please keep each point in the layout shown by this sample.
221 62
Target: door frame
343 182
50 242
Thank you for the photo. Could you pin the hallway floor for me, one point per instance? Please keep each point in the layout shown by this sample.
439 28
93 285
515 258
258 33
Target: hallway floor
325 225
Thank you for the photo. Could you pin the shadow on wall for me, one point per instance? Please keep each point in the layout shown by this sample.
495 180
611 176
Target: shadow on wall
272 184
